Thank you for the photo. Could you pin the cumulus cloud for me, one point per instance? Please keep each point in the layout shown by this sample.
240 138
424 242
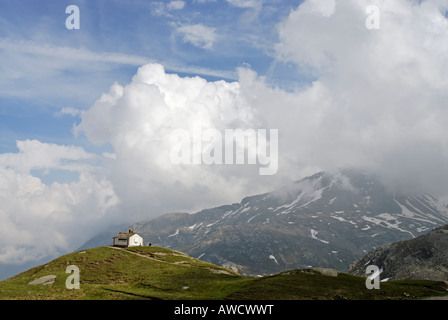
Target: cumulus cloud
139 121
35 154
379 96
40 220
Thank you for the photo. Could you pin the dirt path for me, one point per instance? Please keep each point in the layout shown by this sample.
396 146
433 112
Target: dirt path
143 255
178 263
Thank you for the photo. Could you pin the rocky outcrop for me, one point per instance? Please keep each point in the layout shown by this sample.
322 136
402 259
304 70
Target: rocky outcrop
423 258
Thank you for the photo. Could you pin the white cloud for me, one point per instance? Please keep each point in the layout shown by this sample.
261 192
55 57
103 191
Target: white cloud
39 220
69 111
159 9
32 70
252 10
37 71
255 4
198 35
138 121
324 7
163 9
175 5
68 55
35 154
379 95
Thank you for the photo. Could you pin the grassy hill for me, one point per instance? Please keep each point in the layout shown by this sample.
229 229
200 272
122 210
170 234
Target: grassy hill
108 273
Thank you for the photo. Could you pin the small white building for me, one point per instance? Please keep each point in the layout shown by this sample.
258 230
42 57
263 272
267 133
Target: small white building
128 239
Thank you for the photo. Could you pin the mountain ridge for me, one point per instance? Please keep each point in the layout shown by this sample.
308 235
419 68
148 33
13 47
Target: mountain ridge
324 220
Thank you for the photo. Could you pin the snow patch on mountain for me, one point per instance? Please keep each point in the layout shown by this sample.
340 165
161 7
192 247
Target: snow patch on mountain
314 234
388 221
273 258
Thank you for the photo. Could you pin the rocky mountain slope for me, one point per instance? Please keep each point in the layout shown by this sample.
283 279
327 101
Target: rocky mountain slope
324 220
422 258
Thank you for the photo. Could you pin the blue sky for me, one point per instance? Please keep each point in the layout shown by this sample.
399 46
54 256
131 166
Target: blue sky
47 67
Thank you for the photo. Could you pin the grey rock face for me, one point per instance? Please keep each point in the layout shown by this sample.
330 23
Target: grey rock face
423 258
45 280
